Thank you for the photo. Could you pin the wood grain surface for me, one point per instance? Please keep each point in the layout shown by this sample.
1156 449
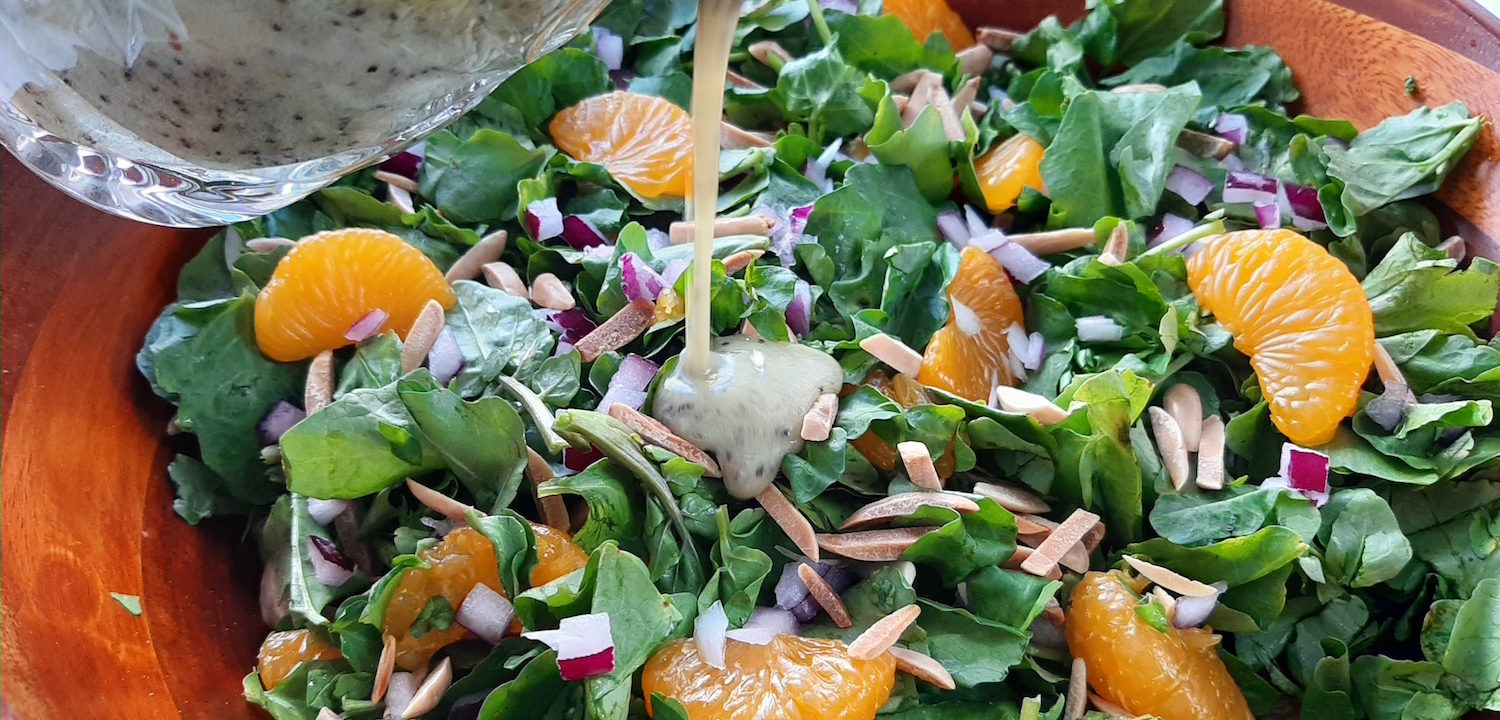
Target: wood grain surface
83 491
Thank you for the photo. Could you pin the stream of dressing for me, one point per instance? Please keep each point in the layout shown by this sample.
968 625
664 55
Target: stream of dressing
741 398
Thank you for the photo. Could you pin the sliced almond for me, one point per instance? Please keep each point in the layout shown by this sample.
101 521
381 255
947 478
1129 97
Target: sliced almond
618 331
502 276
1169 579
918 462
1185 405
1204 145
883 634
1171 446
396 180
923 95
1386 367
472 262
893 507
682 232
1069 532
977 109
400 197
268 244
1078 690
902 102
1034 526
1168 603
953 128
734 137
976 60
964 98
893 352
1039 408
1075 558
318 393
1455 247
748 330
424 331
1117 247
438 502
659 435
430 693
922 667
790 520
553 510
1109 708
327 714
1055 241
1140 88
1022 555
1012 498
550 292
907 81
743 83
997 39
384 668
873 545
817 424
741 260
1211 454
770 52
1054 613
822 593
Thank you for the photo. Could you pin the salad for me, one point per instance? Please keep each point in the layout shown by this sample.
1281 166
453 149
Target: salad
1147 398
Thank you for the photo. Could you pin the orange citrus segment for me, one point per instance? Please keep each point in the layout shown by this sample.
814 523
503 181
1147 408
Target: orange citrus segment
1007 169
644 141
282 652
907 393
1174 675
924 17
1300 315
970 354
791 678
331 280
462 560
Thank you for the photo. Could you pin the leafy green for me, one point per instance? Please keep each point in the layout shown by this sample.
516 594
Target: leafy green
1254 567
741 568
1096 464
1418 287
481 441
495 331
515 547
1364 544
1126 32
287 546
962 544
616 507
1227 78
474 180
1446 364
1473 654
1403 157
1199 518
1009 597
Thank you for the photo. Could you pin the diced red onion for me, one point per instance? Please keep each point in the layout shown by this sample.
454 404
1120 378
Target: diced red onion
756 635
398 694
1232 127
563 348
609 47
988 240
1170 226
673 270
331 567
1189 184
367 326
634 399
324 511
1301 202
975 222
638 280
790 590
543 220
1194 611
1249 187
817 168
657 239
953 228
583 643
581 233
572 325
1267 215
1232 162
1020 263
1303 470
778 620
580 460
708 634
799 310
407 163
1036 347
445 358
792 594
281 418
628 386
798 218
1098 328
1389 409
486 613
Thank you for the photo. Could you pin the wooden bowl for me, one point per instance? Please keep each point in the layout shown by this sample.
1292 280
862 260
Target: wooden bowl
86 502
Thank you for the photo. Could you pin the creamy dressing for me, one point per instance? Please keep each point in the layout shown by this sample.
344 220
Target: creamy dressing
747 408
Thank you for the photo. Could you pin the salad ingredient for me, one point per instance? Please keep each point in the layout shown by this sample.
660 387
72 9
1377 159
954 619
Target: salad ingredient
584 644
398 696
709 631
331 280
1183 403
549 292
1170 673
883 633
1300 315
486 613
318 392
1173 449
873 545
897 506
790 520
922 668
655 433
367 326
385 668
908 393
917 460
283 651
818 422
925 17
1016 400
1170 580
424 332
1067 535
893 352
969 355
1012 498
281 418
430 692
726 411
618 331
824 595
470 264
645 142
502 276
1210 474
791 678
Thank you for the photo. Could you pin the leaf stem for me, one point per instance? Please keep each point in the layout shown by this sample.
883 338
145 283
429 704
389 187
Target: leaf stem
815 11
1188 238
537 409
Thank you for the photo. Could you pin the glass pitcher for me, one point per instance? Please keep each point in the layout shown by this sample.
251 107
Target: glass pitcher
205 112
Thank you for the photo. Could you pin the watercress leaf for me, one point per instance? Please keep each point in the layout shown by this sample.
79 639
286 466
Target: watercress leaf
1364 545
1403 157
1417 287
474 180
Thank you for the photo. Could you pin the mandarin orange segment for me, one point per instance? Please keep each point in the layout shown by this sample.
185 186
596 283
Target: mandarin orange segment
331 280
1301 317
644 141
1007 169
791 678
556 555
282 652
1174 675
969 355
924 17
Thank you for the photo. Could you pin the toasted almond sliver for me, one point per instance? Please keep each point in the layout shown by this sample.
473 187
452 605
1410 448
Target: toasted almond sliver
1022 555
1204 145
398 180
997 39
384 668
400 197
734 137
769 52
952 128
964 98
1013 498
1170 444
741 260
922 96
437 502
1075 558
922 667
682 232
502 276
907 81
918 462
1168 603
817 424
327 714
1140 88
1055 241
1117 247
553 510
1109 708
431 691
1169 579
268 244
900 505
319 390
1386 368
1028 524
902 102
1455 247
471 263
976 60
873 545
883 634
1069 532
790 520
823 594
1078 690
550 292
659 435
742 82
893 352
1211 454
1054 613
618 331
1039 408
424 331
1185 405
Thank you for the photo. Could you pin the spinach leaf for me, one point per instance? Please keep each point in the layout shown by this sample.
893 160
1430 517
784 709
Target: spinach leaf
973 650
360 444
1418 287
616 506
1096 465
1403 157
482 441
741 567
474 180
286 545
1200 518
376 362
1009 597
1255 567
831 97
554 81
1473 654
1463 551
964 543
1446 364
1364 545
1227 78
884 47
515 547
1396 689
201 493
1125 32
495 331
641 619
536 692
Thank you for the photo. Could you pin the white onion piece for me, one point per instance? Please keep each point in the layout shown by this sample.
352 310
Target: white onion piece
1267 215
445 358
609 47
1020 345
1232 127
634 399
708 634
1098 328
1170 226
367 326
1194 611
1036 348
330 567
398 694
1189 184
777 620
583 643
657 239
1232 162
282 417
1249 187
953 228
543 220
486 613
974 221
324 511
1020 263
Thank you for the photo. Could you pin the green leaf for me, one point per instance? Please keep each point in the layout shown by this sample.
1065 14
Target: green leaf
1403 157
1329 692
824 92
1228 78
1418 287
131 603
360 444
495 331
616 507
817 466
285 544
884 47
1199 518
973 650
1446 364
207 276
1463 551
376 362
1364 544
515 547
483 442
1473 654
538 687
1125 32
1339 620
1096 464
201 493
741 568
436 616
1255 567
474 180
1009 597
962 543
921 146
1400 689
